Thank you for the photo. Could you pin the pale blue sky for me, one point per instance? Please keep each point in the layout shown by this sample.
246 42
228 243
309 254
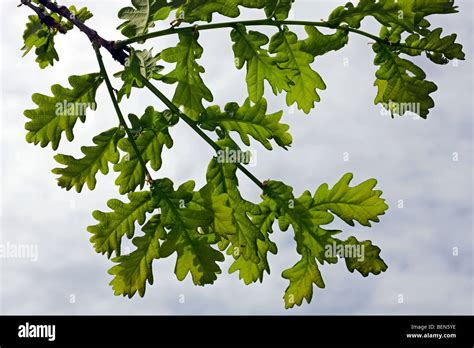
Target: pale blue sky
412 159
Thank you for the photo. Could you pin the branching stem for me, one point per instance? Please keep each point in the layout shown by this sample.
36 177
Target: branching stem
264 22
119 51
193 124
259 22
123 123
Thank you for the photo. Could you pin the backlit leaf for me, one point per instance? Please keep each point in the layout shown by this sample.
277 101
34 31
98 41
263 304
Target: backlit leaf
296 64
79 172
248 120
191 90
59 113
108 233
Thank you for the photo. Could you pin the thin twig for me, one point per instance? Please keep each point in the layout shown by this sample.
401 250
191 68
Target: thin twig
119 54
110 88
119 51
173 108
264 22
44 18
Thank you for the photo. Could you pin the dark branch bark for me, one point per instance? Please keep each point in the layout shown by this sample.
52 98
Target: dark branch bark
44 18
119 54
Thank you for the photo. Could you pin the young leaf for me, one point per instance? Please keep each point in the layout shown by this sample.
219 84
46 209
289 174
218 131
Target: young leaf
150 142
59 113
81 15
38 35
401 84
296 64
191 89
140 63
41 37
260 66
360 203
248 120
108 233
79 172
194 250
143 15
134 270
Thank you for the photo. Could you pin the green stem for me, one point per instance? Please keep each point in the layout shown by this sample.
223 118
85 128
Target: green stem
123 123
194 125
260 22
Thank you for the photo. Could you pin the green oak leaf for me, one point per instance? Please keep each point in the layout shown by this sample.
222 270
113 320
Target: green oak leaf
202 10
60 113
79 172
318 44
37 35
278 9
310 239
302 276
260 65
371 261
402 85
297 65
133 271
297 212
194 250
140 63
223 178
150 142
108 233
439 50
424 8
250 271
402 15
387 12
249 121
143 15
81 15
191 89
360 203
218 206
307 214
34 35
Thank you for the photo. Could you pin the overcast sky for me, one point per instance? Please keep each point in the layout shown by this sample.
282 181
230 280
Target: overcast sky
411 158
